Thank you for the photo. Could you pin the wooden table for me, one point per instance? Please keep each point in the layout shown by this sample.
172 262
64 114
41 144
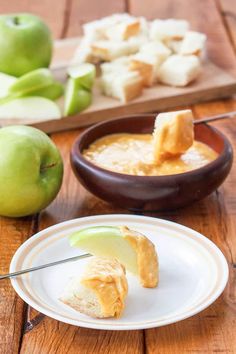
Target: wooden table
213 330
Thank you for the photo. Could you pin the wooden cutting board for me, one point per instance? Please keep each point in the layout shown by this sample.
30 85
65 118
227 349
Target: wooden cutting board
213 83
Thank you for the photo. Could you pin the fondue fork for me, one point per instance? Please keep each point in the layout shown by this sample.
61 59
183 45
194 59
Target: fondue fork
227 115
65 260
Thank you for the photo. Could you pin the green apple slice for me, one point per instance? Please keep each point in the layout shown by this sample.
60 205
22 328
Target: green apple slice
83 74
31 108
51 92
76 99
6 81
106 241
34 80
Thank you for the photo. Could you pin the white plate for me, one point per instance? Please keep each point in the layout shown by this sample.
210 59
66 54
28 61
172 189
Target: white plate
193 273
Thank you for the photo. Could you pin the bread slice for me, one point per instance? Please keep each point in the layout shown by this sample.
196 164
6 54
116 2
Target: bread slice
179 70
193 43
148 61
168 29
124 85
173 134
101 291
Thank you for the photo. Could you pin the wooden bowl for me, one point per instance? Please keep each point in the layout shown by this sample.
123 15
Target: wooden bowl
151 192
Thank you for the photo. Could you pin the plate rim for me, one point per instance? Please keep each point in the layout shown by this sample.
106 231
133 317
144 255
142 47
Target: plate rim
153 324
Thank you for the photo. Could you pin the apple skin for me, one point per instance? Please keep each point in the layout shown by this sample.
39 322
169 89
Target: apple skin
31 171
25 44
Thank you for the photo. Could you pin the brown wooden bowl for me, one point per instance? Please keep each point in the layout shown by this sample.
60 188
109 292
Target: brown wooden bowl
151 192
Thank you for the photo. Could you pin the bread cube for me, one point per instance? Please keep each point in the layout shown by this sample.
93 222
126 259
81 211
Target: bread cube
179 70
148 61
168 29
108 51
119 64
174 45
193 43
123 30
123 85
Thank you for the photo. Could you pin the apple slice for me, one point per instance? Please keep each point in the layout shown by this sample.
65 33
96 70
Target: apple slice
30 108
76 99
106 241
34 80
51 92
134 250
83 74
5 82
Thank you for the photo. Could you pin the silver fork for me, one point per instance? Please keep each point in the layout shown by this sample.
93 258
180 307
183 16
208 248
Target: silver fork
33 269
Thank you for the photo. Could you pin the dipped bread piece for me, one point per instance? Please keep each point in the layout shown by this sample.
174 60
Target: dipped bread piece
101 291
134 250
173 134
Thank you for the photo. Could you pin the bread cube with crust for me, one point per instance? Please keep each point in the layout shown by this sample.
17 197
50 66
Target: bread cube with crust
179 70
168 29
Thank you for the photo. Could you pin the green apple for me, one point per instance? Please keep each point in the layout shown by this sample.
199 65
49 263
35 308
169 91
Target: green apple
106 241
25 44
5 82
51 92
30 82
31 108
76 98
83 74
31 171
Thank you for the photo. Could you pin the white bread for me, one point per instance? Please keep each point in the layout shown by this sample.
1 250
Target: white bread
120 64
174 45
173 134
83 53
179 70
108 51
97 29
168 29
101 291
193 43
123 30
148 61
147 260
123 85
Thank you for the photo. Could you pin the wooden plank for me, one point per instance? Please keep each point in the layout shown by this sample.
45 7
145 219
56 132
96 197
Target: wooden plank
51 336
203 16
228 13
52 12
213 329
12 233
212 83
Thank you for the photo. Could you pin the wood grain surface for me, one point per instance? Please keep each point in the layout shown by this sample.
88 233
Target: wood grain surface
211 331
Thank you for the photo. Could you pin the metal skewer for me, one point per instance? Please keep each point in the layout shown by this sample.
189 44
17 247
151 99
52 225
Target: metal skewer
216 117
23 271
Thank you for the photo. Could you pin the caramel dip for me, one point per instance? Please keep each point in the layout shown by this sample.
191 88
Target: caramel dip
171 149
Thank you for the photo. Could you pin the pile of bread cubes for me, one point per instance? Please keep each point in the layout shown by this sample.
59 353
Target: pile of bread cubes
134 53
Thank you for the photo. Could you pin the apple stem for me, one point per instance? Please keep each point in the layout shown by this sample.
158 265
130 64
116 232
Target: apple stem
16 20
43 168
